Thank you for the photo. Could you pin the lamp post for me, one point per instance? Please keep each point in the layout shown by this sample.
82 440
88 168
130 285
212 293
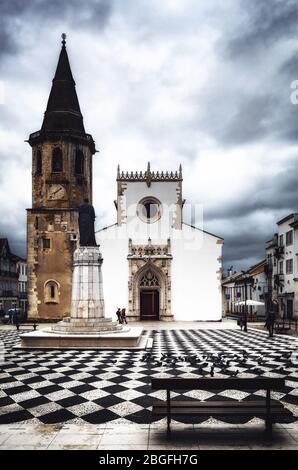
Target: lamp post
245 301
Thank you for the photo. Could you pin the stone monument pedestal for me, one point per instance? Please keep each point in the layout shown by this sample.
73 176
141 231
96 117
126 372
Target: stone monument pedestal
87 327
87 301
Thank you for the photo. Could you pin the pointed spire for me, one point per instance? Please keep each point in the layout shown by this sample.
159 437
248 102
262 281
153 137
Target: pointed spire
63 110
148 175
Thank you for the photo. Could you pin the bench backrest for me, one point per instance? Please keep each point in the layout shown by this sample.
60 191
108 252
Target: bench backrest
213 383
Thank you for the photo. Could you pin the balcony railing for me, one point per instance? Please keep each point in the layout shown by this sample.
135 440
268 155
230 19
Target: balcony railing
279 279
23 295
8 293
279 251
4 273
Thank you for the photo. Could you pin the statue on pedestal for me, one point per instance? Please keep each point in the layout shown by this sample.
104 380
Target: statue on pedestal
86 224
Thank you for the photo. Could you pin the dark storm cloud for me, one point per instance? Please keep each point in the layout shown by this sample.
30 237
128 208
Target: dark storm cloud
267 21
248 98
76 13
253 120
280 193
243 252
166 86
245 238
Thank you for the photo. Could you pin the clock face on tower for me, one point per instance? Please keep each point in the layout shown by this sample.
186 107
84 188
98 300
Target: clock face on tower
56 192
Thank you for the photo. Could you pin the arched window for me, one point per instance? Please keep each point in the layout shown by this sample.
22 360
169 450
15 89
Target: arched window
57 161
51 292
38 162
79 163
149 279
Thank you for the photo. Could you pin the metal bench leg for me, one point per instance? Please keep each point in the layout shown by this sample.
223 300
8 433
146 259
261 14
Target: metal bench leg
268 422
268 430
168 412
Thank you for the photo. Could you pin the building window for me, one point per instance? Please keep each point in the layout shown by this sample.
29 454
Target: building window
289 266
289 238
51 292
57 161
281 240
149 209
46 243
79 163
281 267
38 162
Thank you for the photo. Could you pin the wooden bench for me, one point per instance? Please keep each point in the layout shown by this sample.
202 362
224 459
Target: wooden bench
26 326
282 326
269 410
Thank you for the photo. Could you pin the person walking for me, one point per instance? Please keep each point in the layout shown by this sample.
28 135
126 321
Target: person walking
271 317
123 316
118 314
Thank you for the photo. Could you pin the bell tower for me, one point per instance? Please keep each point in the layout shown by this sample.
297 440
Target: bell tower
61 178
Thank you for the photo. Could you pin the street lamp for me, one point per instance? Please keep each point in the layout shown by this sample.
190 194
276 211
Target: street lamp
245 273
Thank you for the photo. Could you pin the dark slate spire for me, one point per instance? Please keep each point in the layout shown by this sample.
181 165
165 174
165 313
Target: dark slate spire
63 110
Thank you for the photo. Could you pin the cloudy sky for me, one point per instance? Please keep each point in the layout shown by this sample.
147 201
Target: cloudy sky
204 84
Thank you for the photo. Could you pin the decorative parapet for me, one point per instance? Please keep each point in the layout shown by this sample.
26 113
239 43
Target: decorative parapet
149 250
148 176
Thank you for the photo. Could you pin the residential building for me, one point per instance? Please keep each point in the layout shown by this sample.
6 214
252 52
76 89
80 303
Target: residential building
8 277
241 286
282 266
22 284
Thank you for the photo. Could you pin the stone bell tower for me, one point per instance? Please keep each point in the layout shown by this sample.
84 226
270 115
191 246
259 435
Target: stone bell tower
61 178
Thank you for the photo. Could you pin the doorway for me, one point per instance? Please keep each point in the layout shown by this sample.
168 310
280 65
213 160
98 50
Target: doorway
289 309
149 304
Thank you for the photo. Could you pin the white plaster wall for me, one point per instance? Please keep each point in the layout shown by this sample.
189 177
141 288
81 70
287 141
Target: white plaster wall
196 284
196 289
114 249
167 193
290 253
260 281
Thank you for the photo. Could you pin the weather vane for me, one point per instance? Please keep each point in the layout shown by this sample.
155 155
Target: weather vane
63 35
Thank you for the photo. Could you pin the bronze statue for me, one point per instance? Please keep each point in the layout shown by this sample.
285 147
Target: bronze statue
86 224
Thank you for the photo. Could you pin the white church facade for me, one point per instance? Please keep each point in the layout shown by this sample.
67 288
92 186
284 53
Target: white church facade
155 265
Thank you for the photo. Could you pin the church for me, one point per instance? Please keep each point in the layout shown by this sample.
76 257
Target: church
155 265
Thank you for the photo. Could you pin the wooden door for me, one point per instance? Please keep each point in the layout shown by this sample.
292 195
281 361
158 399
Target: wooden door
149 304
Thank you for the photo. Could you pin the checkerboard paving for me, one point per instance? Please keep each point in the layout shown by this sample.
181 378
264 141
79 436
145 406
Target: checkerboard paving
57 386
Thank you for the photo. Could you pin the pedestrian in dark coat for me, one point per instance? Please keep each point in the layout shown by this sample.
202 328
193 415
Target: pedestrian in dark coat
123 316
118 314
271 317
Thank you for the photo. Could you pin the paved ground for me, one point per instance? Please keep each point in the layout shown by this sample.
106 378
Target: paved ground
91 399
152 437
